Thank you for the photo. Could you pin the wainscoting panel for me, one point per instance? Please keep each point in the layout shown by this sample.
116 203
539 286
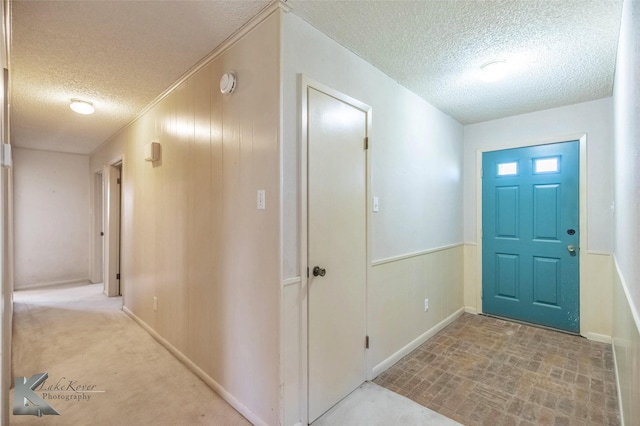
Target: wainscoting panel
397 321
626 350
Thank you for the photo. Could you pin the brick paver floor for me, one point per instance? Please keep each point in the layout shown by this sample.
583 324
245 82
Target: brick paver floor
485 371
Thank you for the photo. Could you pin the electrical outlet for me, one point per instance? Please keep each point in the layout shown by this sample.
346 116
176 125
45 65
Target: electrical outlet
426 305
155 303
262 199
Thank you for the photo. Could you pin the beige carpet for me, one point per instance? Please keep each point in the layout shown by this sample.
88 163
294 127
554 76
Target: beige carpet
75 334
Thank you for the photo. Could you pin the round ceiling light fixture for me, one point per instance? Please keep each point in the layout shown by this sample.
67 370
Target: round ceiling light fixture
494 70
82 107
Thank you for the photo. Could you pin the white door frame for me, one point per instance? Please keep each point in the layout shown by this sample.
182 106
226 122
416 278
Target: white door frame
305 83
112 235
582 138
97 240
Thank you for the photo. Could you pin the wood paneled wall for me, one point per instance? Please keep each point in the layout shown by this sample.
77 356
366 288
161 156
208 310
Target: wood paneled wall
192 235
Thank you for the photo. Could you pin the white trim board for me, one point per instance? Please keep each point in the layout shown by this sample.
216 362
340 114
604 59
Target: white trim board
54 283
618 390
291 281
415 254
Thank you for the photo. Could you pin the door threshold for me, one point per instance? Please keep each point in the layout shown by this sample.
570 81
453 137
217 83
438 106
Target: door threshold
571 333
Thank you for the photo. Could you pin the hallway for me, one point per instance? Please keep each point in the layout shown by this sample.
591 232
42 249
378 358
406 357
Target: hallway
77 335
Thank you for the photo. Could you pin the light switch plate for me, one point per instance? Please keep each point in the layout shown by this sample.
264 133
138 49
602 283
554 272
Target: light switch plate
376 204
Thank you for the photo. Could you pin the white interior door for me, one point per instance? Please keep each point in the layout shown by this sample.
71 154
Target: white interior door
111 217
337 233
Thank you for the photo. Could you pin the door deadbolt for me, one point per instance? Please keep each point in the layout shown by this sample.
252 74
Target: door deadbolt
318 271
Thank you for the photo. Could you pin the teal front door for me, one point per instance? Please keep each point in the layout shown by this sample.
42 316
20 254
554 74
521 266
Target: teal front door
530 235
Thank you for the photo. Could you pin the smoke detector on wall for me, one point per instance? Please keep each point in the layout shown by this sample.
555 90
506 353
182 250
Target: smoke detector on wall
228 83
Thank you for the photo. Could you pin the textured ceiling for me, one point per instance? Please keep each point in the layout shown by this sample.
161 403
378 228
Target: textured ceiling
123 54
120 55
560 52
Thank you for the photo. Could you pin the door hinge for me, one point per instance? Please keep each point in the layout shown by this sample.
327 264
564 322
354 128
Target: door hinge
102 234
366 342
366 143
307 272
117 276
118 181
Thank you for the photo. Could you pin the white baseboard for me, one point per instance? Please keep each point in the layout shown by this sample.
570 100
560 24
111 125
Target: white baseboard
233 401
602 338
52 283
378 369
615 366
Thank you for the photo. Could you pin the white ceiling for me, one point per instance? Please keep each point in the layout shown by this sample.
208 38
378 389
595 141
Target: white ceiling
560 52
123 54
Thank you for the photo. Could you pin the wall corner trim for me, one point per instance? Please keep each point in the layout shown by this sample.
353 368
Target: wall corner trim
283 5
215 386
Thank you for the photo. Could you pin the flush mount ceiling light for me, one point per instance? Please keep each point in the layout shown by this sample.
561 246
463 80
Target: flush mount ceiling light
494 70
82 107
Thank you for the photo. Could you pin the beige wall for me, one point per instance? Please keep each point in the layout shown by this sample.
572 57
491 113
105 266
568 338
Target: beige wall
192 236
51 188
626 252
